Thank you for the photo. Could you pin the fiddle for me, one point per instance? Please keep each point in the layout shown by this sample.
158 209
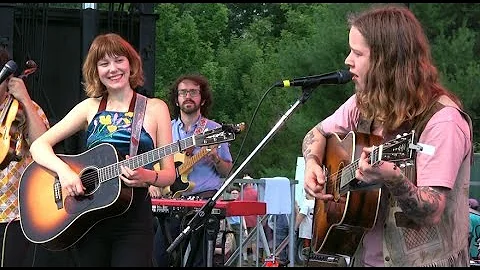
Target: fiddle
12 120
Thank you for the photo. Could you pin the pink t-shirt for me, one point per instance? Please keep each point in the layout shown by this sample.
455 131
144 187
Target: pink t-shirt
447 131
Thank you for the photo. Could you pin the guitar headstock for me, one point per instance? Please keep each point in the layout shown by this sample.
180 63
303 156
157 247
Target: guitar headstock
222 134
235 128
397 150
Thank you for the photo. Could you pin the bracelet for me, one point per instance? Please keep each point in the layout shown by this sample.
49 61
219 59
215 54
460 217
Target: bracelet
156 179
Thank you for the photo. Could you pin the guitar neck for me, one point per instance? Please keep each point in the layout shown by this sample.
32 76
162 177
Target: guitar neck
135 162
187 165
348 172
398 151
8 102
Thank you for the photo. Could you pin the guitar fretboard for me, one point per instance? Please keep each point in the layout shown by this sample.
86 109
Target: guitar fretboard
348 172
135 162
187 165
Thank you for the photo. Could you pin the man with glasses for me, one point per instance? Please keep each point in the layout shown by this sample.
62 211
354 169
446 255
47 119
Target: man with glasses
190 101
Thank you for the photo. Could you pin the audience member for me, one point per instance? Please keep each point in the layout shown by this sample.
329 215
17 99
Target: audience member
474 232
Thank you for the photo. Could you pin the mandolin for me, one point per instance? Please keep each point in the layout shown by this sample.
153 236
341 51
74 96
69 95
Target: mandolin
12 121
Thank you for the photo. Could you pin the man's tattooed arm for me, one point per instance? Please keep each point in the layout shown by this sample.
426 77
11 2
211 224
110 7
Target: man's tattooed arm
306 146
310 143
424 205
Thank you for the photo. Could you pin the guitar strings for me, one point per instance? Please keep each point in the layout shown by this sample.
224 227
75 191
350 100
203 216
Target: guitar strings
90 178
353 166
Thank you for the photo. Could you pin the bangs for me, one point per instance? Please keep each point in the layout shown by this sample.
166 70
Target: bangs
110 46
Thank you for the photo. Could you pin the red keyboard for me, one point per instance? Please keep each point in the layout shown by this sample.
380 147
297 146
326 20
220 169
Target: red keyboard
222 207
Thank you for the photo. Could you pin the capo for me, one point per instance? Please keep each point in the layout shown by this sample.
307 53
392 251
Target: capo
415 147
425 148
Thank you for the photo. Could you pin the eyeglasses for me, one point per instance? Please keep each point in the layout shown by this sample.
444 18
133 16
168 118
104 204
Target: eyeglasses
192 92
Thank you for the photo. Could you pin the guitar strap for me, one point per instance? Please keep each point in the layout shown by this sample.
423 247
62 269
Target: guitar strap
137 106
364 125
200 128
137 122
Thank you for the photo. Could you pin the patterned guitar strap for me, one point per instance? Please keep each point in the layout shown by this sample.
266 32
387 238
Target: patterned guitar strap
137 122
200 128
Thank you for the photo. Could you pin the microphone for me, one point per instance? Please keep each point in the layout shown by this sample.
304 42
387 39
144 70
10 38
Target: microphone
336 77
8 69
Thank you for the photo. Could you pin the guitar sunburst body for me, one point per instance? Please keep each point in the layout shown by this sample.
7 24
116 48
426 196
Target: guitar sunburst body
340 224
55 222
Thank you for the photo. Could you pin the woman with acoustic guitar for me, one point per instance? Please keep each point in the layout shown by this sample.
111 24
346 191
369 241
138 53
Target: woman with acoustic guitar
23 121
111 214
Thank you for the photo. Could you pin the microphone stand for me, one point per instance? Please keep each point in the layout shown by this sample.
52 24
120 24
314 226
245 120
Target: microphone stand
206 209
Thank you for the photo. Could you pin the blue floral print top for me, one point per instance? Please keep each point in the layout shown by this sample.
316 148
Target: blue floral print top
115 128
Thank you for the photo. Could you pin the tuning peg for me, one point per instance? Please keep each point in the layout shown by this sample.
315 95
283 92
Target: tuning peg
235 128
398 136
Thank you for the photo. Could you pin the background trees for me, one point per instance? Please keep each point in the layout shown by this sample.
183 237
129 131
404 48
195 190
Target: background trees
245 48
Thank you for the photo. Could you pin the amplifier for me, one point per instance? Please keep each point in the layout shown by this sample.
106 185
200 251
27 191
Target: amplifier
325 260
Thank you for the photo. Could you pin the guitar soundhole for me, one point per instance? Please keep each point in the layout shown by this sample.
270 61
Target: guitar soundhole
90 181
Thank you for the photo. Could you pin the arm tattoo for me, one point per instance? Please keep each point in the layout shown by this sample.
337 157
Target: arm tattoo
306 147
416 202
307 142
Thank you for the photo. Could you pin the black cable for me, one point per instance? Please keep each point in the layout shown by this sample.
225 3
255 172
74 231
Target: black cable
184 222
249 127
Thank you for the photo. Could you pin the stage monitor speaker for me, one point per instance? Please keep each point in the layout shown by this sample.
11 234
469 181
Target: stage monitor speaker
325 260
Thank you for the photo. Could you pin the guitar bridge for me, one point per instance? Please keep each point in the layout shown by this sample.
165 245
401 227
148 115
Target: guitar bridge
57 193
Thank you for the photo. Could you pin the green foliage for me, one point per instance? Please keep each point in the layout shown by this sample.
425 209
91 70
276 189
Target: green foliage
245 48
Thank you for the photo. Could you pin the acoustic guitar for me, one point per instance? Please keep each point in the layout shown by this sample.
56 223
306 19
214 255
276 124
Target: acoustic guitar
340 224
49 216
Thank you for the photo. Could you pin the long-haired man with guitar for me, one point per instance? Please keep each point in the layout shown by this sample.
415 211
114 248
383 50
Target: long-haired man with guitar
383 199
190 100
96 204
19 129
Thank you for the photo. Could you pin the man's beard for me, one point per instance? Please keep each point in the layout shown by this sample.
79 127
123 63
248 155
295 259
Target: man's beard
190 110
